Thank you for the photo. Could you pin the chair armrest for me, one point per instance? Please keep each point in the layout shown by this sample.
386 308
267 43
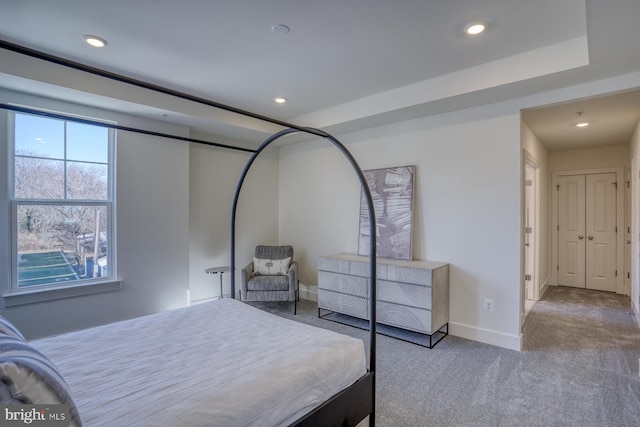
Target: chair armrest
293 269
293 280
245 275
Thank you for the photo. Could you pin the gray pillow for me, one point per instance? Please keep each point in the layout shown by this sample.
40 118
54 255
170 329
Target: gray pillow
28 377
7 328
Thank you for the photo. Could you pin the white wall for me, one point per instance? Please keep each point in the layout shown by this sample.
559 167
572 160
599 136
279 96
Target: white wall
152 231
467 207
214 173
589 158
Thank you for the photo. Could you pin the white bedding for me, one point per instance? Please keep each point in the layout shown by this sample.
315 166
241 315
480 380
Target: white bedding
221 363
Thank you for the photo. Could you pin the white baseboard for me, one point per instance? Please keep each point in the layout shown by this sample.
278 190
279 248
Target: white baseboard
500 339
544 288
308 292
200 301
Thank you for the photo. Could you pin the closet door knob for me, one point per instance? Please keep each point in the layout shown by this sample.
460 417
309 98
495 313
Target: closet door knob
590 237
581 237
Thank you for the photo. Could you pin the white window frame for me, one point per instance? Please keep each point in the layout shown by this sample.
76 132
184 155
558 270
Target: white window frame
20 295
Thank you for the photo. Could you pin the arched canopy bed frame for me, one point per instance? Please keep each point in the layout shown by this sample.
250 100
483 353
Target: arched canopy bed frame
351 405
347 407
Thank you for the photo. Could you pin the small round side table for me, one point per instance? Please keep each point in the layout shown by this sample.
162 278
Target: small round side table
218 270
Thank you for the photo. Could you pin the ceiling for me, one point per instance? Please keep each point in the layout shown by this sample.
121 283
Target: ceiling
343 65
612 120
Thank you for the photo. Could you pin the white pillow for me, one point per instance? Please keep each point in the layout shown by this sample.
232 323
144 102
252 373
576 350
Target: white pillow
271 267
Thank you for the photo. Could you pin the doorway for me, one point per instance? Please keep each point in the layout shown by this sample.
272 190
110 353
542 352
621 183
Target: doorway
588 218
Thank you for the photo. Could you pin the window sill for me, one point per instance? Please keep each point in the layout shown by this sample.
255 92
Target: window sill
31 297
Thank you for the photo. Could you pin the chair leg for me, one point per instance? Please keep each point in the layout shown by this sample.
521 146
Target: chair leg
296 299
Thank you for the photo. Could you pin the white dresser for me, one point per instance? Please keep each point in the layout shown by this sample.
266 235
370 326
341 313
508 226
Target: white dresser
411 295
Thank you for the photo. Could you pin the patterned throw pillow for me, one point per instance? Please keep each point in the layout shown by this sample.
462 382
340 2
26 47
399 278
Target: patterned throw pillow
28 377
271 267
7 328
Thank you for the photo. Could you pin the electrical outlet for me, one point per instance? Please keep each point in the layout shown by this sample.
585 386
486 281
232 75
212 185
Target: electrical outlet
488 304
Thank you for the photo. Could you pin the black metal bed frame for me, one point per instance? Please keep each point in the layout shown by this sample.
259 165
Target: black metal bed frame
351 405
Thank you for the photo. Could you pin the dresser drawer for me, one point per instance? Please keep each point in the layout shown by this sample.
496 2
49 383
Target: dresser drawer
404 293
411 275
335 265
401 316
354 285
343 303
358 268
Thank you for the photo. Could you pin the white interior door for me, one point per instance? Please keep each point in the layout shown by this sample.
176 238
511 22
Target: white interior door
601 231
571 230
587 220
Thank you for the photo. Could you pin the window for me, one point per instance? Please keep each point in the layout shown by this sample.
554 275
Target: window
62 194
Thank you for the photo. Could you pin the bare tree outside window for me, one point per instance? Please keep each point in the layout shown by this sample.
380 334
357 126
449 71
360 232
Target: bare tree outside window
62 200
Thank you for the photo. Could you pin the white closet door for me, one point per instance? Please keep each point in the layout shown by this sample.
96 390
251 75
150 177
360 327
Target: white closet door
600 206
571 230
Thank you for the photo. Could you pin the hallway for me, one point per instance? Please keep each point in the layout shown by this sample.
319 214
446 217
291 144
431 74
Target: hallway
580 319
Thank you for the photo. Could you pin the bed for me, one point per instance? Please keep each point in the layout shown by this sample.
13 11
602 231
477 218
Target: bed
220 363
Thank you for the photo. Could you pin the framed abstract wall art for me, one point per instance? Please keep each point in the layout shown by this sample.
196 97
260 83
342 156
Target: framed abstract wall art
392 193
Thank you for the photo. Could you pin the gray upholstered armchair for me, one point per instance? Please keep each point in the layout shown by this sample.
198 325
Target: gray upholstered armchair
271 276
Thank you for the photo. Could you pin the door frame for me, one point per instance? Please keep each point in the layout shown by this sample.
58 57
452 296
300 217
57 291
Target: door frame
627 233
620 221
534 238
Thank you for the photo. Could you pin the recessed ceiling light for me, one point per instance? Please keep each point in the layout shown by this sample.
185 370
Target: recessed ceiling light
280 100
581 122
475 28
95 41
280 29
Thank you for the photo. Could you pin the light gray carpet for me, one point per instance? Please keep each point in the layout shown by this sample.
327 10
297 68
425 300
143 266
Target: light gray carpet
579 368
